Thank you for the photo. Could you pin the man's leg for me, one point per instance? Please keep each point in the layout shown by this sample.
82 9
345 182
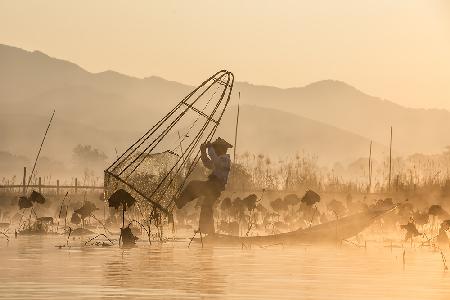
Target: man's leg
193 190
206 222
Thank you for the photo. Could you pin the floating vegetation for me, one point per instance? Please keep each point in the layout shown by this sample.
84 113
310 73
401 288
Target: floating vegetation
27 202
411 231
122 198
310 198
34 224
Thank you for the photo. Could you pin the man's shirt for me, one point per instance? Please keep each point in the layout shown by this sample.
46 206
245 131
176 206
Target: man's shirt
220 165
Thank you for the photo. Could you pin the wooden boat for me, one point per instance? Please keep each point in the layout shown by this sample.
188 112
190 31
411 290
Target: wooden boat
330 232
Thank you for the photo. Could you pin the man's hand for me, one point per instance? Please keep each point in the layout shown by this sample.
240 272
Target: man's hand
204 146
204 156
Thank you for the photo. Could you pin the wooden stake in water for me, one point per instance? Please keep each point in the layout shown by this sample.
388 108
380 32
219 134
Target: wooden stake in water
444 261
404 252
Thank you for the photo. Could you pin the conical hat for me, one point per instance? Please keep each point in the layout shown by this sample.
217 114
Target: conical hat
221 142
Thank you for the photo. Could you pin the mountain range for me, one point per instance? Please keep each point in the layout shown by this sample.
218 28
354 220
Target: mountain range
109 110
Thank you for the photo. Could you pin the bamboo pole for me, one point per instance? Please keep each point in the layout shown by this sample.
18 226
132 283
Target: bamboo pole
24 181
370 168
40 148
236 132
390 161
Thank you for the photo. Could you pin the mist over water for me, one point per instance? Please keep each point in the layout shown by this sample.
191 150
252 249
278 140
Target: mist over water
321 171
33 268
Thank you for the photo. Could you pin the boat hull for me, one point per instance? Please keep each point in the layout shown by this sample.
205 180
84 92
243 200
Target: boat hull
330 232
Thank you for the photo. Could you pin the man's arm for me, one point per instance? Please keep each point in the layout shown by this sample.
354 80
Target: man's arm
221 162
212 153
204 157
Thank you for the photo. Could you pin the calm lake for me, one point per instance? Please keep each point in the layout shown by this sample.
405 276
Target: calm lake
32 267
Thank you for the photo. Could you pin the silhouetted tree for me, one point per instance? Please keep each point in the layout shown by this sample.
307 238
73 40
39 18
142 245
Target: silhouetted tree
86 155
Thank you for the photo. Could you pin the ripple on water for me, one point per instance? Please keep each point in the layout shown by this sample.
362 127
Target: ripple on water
33 268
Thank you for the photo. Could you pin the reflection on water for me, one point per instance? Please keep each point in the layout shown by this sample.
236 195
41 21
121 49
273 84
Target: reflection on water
33 268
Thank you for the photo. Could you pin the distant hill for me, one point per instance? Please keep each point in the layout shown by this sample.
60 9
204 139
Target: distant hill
270 131
281 137
343 106
108 110
22 134
34 83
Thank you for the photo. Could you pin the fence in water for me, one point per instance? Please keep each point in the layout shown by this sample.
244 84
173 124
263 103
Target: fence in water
58 187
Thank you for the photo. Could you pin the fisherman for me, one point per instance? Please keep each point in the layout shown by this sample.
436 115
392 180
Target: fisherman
214 157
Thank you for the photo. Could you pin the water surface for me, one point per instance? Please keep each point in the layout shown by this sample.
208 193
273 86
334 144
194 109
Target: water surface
33 268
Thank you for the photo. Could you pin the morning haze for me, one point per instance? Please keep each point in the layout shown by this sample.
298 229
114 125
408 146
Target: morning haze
224 150
397 50
103 101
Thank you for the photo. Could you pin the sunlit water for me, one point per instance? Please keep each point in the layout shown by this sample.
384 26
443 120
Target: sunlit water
33 268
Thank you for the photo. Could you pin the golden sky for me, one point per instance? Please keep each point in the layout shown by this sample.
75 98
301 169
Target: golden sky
394 49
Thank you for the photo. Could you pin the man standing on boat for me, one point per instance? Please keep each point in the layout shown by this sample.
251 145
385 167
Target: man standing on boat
214 157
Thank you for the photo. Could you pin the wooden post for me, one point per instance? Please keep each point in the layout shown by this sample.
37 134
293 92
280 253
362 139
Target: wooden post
76 185
390 161
40 185
404 262
24 181
57 187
